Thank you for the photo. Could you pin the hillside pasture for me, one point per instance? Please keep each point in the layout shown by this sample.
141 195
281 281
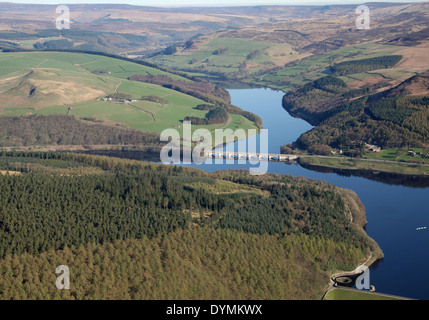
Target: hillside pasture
46 83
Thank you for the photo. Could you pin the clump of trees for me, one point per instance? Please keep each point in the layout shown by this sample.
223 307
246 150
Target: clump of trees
221 51
322 149
217 115
101 71
205 107
155 99
329 84
249 115
316 100
54 45
119 97
254 55
170 50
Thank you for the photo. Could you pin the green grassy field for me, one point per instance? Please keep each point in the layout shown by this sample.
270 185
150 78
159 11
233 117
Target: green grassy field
46 83
392 154
203 57
28 44
237 57
356 164
341 294
13 62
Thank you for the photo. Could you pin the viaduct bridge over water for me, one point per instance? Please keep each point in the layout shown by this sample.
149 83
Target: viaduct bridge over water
251 156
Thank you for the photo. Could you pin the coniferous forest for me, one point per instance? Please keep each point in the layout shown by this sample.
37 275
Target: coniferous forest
134 230
363 65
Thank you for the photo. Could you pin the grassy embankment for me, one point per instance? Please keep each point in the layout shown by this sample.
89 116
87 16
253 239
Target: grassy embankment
345 294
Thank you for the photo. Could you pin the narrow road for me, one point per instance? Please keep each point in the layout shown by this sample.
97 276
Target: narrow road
117 87
227 123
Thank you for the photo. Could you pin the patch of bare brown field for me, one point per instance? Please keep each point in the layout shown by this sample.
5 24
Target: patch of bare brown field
10 173
107 123
7 101
415 57
10 79
166 17
368 81
35 18
50 93
69 92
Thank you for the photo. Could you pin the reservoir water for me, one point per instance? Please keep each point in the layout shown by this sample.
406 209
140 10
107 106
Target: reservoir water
395 209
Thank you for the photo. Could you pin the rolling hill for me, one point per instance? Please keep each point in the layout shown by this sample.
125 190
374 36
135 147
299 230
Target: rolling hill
82 85
288 52
136 30
414 86
348 119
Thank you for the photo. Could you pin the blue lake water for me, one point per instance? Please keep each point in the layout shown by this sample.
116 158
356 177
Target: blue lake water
394 212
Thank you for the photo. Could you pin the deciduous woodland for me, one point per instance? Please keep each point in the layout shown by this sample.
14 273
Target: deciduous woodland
345 118
66 130
127 228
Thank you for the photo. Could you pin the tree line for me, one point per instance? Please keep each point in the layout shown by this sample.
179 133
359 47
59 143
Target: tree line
54 45
201 89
